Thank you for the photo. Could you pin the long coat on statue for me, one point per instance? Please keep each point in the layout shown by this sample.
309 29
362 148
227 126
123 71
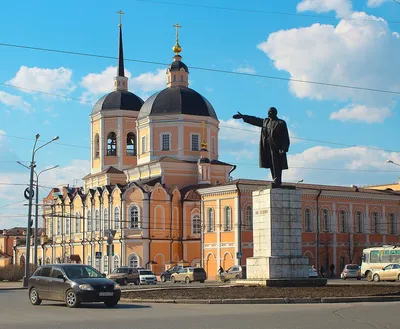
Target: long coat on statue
270 145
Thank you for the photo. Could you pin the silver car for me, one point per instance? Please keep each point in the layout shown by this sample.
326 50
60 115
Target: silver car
351 271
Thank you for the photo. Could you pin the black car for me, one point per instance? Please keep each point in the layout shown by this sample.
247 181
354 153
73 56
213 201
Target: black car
73 284
166 276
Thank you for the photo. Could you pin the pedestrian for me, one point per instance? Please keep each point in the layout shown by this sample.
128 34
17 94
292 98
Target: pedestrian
220 270
322 271
332 268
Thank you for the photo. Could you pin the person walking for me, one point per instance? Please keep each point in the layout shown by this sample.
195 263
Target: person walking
332 268
322 271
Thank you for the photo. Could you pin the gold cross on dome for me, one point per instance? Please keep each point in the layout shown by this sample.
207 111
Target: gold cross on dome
120 13
177 26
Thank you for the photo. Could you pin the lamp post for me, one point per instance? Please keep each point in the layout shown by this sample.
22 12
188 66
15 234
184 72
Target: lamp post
392 162
28 231
36 208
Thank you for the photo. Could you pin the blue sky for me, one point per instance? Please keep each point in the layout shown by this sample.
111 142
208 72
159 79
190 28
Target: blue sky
354 43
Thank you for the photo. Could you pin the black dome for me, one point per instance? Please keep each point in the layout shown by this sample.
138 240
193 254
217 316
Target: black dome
118 100
177 100
177 66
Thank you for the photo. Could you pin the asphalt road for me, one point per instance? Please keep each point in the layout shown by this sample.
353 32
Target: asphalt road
18 313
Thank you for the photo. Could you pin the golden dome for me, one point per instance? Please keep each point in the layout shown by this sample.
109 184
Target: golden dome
177 48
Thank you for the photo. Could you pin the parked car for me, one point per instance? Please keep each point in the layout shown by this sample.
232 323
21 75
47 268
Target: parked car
147 277
390 272
124 275
312 272
234 272
73 284
351 271
166 276
189 274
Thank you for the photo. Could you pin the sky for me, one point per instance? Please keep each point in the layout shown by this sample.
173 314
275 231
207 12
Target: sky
287 54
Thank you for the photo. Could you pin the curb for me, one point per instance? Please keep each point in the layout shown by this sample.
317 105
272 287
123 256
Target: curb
325 300
13 288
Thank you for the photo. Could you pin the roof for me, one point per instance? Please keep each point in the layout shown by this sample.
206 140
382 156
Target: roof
118 100
109 170
177 65
14 231
177 100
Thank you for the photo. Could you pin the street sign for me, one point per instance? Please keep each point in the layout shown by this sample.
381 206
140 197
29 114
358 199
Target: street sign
239 255
98 254
28 195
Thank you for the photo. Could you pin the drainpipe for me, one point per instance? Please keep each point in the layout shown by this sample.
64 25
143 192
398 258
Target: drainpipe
318 229
230 171
239 210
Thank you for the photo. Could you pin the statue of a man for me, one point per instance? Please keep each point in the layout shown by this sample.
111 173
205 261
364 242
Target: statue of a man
274 142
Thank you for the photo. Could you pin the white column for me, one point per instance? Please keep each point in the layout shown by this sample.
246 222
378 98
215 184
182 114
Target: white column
101 143
119 142
123 225
218 229
236 228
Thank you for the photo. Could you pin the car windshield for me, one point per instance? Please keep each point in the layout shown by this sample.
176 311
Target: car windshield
145 272
80 272
121 270
352 267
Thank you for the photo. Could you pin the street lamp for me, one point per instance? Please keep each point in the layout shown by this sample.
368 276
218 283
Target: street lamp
37 208
30 194
392 162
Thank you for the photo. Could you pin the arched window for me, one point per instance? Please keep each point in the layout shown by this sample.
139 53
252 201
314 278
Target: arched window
343 221
97 264
51 227
133 260
392 223
375 222
89 260
116 261
325 220
248 218
227 219
131 144
22 260
67 224
196 224
134 217
105 264
307 220
112 144
359 222
116 218
97 221
105 217
96 149
89 222
58 226
210 220
77 223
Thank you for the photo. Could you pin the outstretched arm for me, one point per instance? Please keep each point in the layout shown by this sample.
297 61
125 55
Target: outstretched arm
255 121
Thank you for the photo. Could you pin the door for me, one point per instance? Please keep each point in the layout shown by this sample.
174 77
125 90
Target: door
392 275
180 276
57 285
385 274
43 282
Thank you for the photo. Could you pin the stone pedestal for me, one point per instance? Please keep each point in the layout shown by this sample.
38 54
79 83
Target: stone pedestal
277 236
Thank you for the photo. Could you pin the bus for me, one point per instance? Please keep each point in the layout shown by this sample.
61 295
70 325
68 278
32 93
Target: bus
378 257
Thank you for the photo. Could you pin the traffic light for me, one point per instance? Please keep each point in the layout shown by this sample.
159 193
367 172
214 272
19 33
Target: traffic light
110 250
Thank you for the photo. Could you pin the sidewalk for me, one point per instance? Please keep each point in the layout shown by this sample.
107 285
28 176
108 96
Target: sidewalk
5 285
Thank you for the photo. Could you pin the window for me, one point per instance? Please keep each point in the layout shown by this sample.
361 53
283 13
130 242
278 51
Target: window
116 261
105 264
67 224
213 145
131 144
343 221
134 217
51 227
96 146
307 220
56 273
112 144
210 220
45 271
392 223
165 142
144 144
116 218
375 222
374 256
181 78
359 222
133 260
97 264
249 218
105 217
77 223
228 219
325 220
89 222
58 226
89 261
196 224
195 142
97 221
174 77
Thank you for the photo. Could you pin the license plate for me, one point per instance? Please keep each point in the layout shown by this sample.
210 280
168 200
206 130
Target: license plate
106 294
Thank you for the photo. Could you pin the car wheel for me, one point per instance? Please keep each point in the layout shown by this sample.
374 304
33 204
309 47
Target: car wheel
125 282
398 278
111 302
187 280
163 279
136 282
369 276
202 281
34 297
376 278
237 276
71 299
173 280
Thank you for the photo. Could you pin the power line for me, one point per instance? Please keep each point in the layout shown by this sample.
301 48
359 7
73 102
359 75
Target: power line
326 84
11 204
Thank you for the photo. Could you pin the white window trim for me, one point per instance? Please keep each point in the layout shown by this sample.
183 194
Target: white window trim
169 141
199 219
143 151
129 216
119 218
191 142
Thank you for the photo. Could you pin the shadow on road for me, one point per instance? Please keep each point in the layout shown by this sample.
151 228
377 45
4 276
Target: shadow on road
99 306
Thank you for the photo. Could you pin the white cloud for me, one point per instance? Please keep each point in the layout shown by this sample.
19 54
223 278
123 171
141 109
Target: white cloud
150 81
376 3
57 81
361 113
350 53
15 102
237 131
341 7
245 69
